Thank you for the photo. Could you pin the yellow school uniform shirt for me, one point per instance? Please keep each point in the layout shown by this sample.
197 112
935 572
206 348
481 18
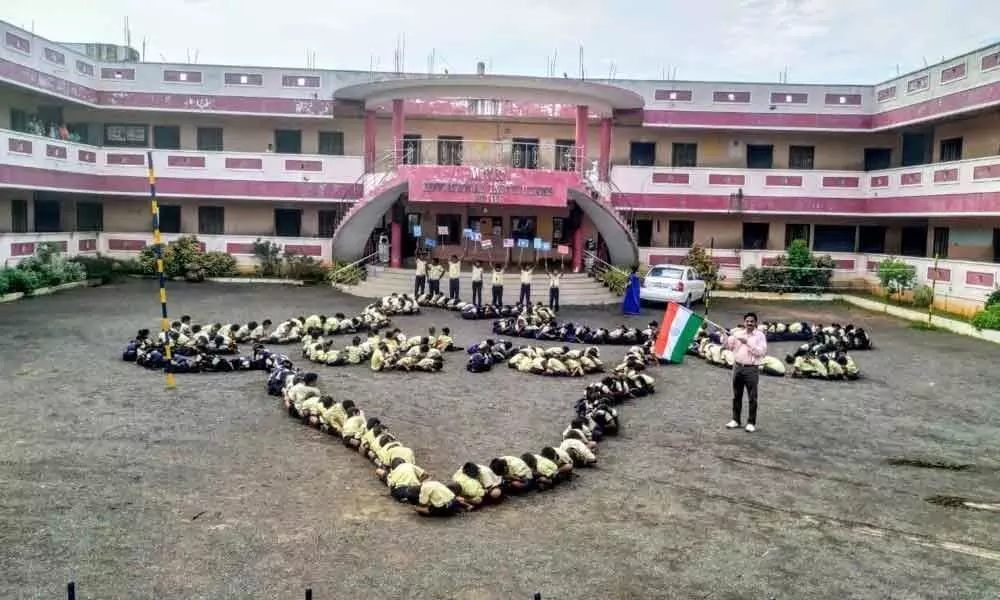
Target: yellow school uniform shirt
554 280
471 488
400 452
546 467
497 277
378 360
354 427
575 445
526 276
435 272
436 494
312 321
382 452
368 438
487 477
421 268
405 475
477 273
517 467
454 269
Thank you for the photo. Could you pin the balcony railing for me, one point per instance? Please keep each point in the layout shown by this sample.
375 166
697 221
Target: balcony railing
25 151
445 151
854 191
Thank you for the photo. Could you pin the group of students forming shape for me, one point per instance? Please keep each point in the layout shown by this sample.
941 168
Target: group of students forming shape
427 277
384 351
474 484
823 356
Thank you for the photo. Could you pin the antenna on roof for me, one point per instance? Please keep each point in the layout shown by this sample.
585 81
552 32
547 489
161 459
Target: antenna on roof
583 72
196 52
897 69
431 58
925 61
612 70
143 55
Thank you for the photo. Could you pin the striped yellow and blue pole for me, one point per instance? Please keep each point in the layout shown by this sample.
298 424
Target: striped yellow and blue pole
158 245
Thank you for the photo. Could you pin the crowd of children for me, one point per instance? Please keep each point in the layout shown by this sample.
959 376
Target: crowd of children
428 272
551 330
474 484
825 356
384 351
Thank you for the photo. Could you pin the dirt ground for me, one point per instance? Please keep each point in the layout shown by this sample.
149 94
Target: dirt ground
211 492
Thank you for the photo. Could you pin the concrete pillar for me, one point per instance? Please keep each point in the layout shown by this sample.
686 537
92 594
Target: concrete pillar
398 124
396 245
370 141
581 138
604 156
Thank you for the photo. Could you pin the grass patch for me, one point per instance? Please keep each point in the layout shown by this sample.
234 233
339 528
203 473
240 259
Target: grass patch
923 326
937 312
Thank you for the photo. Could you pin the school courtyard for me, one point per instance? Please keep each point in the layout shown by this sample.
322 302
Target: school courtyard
210 491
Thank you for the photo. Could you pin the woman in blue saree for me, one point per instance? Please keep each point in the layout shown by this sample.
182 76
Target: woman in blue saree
631 304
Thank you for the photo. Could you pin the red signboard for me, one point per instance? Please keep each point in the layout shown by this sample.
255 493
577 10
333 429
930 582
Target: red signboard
489 185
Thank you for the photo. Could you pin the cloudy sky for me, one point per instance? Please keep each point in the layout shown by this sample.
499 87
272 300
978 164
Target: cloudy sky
834 41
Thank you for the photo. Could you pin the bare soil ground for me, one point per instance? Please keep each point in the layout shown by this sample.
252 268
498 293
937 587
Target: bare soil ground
211 492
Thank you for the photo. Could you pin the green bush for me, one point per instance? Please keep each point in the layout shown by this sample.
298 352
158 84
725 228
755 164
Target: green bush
923 296
699 259
4 282
896 276
47 268
988 319
344 273
268 256
105 268
993 299
184 258
797 271
23 281
304 268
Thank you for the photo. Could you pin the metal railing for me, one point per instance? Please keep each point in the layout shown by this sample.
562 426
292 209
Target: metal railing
595 265
372 258
513 153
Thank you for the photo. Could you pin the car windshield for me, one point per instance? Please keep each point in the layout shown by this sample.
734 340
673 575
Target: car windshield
666 272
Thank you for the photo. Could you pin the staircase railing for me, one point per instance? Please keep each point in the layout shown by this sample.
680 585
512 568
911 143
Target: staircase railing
596 266
369 259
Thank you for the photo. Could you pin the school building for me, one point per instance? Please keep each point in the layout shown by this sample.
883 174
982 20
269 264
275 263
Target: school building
327 162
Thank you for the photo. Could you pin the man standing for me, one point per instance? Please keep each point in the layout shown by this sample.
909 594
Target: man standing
749 346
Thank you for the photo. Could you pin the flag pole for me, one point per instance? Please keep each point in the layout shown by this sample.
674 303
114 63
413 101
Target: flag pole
158 245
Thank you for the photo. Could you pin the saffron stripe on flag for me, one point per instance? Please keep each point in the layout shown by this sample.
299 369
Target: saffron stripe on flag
680 326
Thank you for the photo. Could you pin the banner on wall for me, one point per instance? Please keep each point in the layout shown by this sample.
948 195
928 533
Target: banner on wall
508 243
489 185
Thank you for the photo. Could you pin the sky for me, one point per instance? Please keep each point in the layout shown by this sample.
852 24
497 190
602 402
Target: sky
815 41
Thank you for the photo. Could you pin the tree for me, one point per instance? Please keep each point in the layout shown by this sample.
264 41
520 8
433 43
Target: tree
896 276
699 259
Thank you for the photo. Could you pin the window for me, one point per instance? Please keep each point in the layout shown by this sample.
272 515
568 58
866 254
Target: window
871 239
288 141
79 132
951 149
211 220
877 159
449 150
940 243
642 154
684 155
558 230
523 228
328 221
210 139
680 234
494 225
913 241
18 216
834 238
89 216
565 159
167 137
331 143
916 148
126 136
454 225
287 222
666 272
755 236
760 156
170 218
796 231
996 245
412 146
801 157
48 216
524 153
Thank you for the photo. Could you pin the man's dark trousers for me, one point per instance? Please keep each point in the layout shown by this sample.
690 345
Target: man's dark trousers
745 376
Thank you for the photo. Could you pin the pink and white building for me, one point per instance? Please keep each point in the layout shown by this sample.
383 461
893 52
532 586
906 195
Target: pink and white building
322 161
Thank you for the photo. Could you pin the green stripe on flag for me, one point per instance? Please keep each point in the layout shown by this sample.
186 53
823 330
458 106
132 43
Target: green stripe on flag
688 324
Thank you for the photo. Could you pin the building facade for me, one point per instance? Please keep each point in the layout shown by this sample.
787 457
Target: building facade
326 162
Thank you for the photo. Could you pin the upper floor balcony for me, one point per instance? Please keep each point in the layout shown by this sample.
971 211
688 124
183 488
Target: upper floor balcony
43 163
967 187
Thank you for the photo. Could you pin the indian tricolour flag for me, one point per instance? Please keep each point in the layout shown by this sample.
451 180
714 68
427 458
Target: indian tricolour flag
677 331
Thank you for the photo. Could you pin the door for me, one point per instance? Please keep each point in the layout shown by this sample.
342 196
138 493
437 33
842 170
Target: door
642 154
48 216
525 153
167 137
760 156
917 148
288 141
996 245
644 232
939 247
288 222
755 236
411 241
913 241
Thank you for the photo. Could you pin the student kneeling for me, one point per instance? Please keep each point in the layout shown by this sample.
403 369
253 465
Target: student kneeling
404 480
439 500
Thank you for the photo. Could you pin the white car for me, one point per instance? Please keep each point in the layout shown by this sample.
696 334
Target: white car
672 283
